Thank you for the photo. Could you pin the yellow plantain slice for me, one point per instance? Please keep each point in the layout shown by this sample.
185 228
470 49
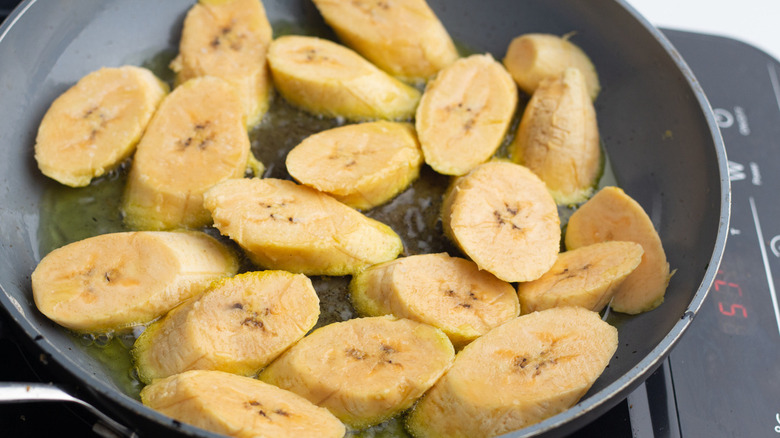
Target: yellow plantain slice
533 57
446 292
402 37
586 277
613 215
239 406
282 225
558 138
196 139
328 79
361 165
119 280
239 325
464 114
516 375
228 39
96 124
364 370
502 216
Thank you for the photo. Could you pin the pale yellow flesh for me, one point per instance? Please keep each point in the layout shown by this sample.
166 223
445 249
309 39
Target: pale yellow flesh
113 281
328 79
228 39
364 370
503 218
196 139
587 277
96 124
464 114
283 225
516 375
361 165
238 325
613 215
532 57
239 406
558 138
402 37
450 293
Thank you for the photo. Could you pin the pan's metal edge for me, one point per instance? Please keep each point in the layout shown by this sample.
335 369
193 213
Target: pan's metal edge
624 385
14 17
95 386
620 387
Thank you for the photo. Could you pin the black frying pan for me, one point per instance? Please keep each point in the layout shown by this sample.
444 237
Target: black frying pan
654 119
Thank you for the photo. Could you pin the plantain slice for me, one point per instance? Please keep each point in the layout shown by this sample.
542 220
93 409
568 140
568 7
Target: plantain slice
516 375
239 406
362 165
282 225
112 281
464 114
502 216
328 79
586 277
402 37
558 138
532 57
94 125
450 293
196 139
613 215
228 39
364 370
239 325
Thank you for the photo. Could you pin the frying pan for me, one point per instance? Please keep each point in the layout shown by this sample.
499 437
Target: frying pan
655 122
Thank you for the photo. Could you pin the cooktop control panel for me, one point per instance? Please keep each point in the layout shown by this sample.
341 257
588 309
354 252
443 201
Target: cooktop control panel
723 377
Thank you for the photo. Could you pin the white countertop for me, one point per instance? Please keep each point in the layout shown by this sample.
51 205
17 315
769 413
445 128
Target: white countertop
756 22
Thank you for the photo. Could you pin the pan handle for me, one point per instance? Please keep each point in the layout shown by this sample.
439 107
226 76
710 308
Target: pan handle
13 392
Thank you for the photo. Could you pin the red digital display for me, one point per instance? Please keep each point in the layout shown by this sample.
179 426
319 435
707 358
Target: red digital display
732 292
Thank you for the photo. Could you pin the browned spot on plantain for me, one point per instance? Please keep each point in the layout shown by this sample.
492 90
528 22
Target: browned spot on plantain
368 7
228 38
356 354
384 355
200 136
312 55
97 120
463 298
264 412
251 321
534 365
506 216
255 319
273 214
520 362
383 358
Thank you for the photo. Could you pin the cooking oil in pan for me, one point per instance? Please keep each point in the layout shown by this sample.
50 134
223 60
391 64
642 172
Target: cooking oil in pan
68 215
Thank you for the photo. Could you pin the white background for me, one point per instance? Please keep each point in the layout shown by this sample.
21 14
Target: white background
756 22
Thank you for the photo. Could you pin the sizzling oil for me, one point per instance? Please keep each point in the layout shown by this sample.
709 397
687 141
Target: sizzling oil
68 215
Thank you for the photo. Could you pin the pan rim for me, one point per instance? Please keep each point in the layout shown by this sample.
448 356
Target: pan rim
599 400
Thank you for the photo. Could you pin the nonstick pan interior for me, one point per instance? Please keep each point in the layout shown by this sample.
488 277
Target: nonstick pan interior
654 120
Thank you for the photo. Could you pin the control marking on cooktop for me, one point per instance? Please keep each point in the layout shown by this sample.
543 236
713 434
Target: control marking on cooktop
769 279
775 86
